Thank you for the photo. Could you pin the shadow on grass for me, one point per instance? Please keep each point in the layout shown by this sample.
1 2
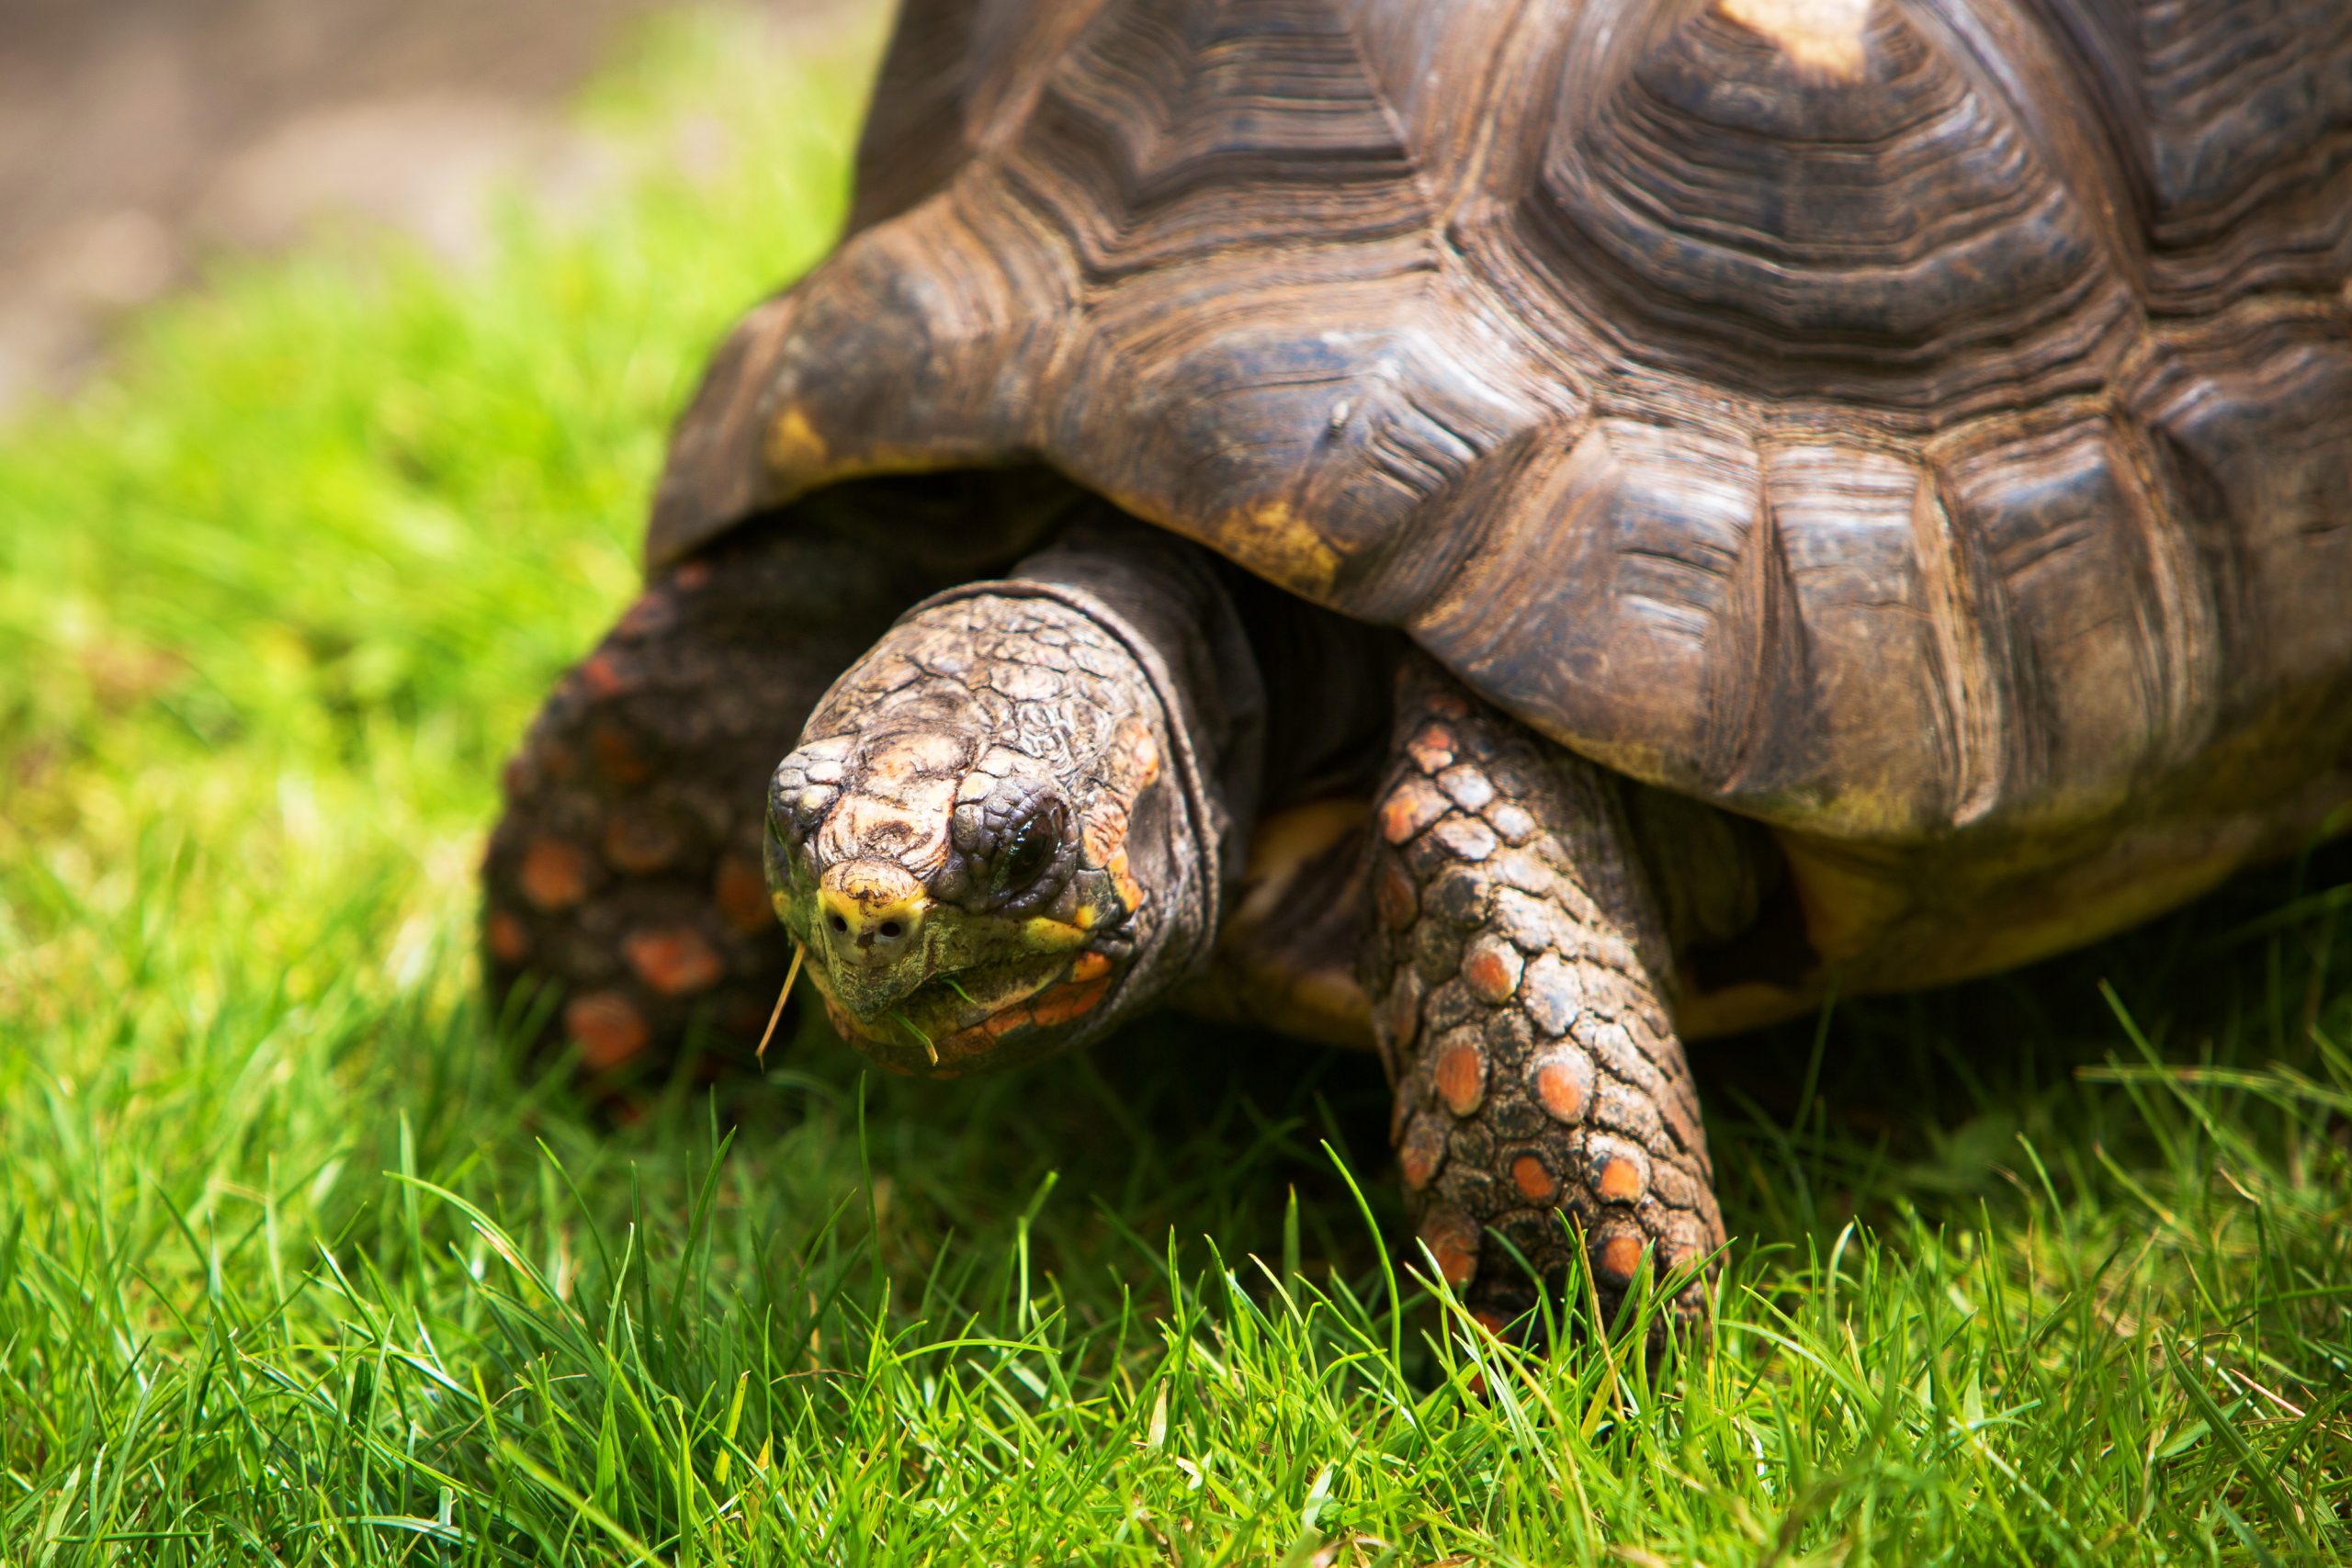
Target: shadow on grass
1885 1108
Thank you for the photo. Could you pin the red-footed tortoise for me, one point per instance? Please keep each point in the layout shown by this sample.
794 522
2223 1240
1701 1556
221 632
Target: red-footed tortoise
1509 532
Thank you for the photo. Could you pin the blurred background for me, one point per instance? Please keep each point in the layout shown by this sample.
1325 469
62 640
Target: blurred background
338 344
140 138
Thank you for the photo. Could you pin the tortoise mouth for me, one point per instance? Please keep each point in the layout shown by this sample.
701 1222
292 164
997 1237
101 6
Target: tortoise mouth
957 1022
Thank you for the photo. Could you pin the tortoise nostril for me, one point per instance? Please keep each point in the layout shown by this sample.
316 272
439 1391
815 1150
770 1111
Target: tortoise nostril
872 911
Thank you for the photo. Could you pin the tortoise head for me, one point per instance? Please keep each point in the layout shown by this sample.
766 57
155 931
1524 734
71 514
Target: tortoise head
993 840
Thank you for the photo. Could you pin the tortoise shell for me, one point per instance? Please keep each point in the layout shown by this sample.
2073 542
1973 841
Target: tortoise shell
1906 423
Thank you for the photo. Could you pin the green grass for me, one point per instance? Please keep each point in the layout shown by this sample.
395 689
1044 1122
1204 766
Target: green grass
297 1266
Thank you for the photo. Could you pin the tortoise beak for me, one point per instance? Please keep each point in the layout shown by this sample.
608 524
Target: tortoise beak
870 916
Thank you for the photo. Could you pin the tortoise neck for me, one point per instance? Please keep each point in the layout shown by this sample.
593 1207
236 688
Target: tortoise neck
1164 600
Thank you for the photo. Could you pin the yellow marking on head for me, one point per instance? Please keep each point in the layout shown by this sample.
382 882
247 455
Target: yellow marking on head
1048 934
1130 891
1103 832
1060 1004
864 895
1053 1006
1134 760
1824 36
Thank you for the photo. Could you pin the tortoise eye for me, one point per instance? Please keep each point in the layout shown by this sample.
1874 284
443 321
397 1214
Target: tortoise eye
1029 850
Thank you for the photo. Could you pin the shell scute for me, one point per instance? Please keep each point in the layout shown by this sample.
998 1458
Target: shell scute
1635 586
1168 132
2109 670
1884 418
1715 203
1301 427
2230 132
1870 581
2261 443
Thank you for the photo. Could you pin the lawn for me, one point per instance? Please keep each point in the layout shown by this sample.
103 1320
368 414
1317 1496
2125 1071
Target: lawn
300 1264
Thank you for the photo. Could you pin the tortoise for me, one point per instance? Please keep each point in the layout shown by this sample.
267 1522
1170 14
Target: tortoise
1509 535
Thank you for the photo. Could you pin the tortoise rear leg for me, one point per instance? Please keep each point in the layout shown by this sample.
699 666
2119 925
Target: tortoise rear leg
1517 972
627 868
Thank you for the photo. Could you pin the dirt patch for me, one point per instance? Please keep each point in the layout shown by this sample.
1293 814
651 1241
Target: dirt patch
137 137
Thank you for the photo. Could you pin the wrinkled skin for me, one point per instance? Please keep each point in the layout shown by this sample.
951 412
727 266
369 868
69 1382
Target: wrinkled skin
962 896
997 839
994 839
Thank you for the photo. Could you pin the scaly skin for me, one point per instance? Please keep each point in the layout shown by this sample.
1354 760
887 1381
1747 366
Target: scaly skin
1518 971
1010 824
627 869
1017 819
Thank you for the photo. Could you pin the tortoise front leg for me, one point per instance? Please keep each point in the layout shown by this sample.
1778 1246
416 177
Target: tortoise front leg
626 872
1519 972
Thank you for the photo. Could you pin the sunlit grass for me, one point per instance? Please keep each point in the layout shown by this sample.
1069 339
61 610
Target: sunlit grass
296 1267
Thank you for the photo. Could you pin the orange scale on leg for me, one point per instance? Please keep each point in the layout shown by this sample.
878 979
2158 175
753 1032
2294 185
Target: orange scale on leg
1410 807
1535 1180
554 875
1395 898
602 674
619 754
1620 1255
1461 1077
1421 1150
509 939
740 891
608 1028
1452 1237
1620 1182
1432 749
677 961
